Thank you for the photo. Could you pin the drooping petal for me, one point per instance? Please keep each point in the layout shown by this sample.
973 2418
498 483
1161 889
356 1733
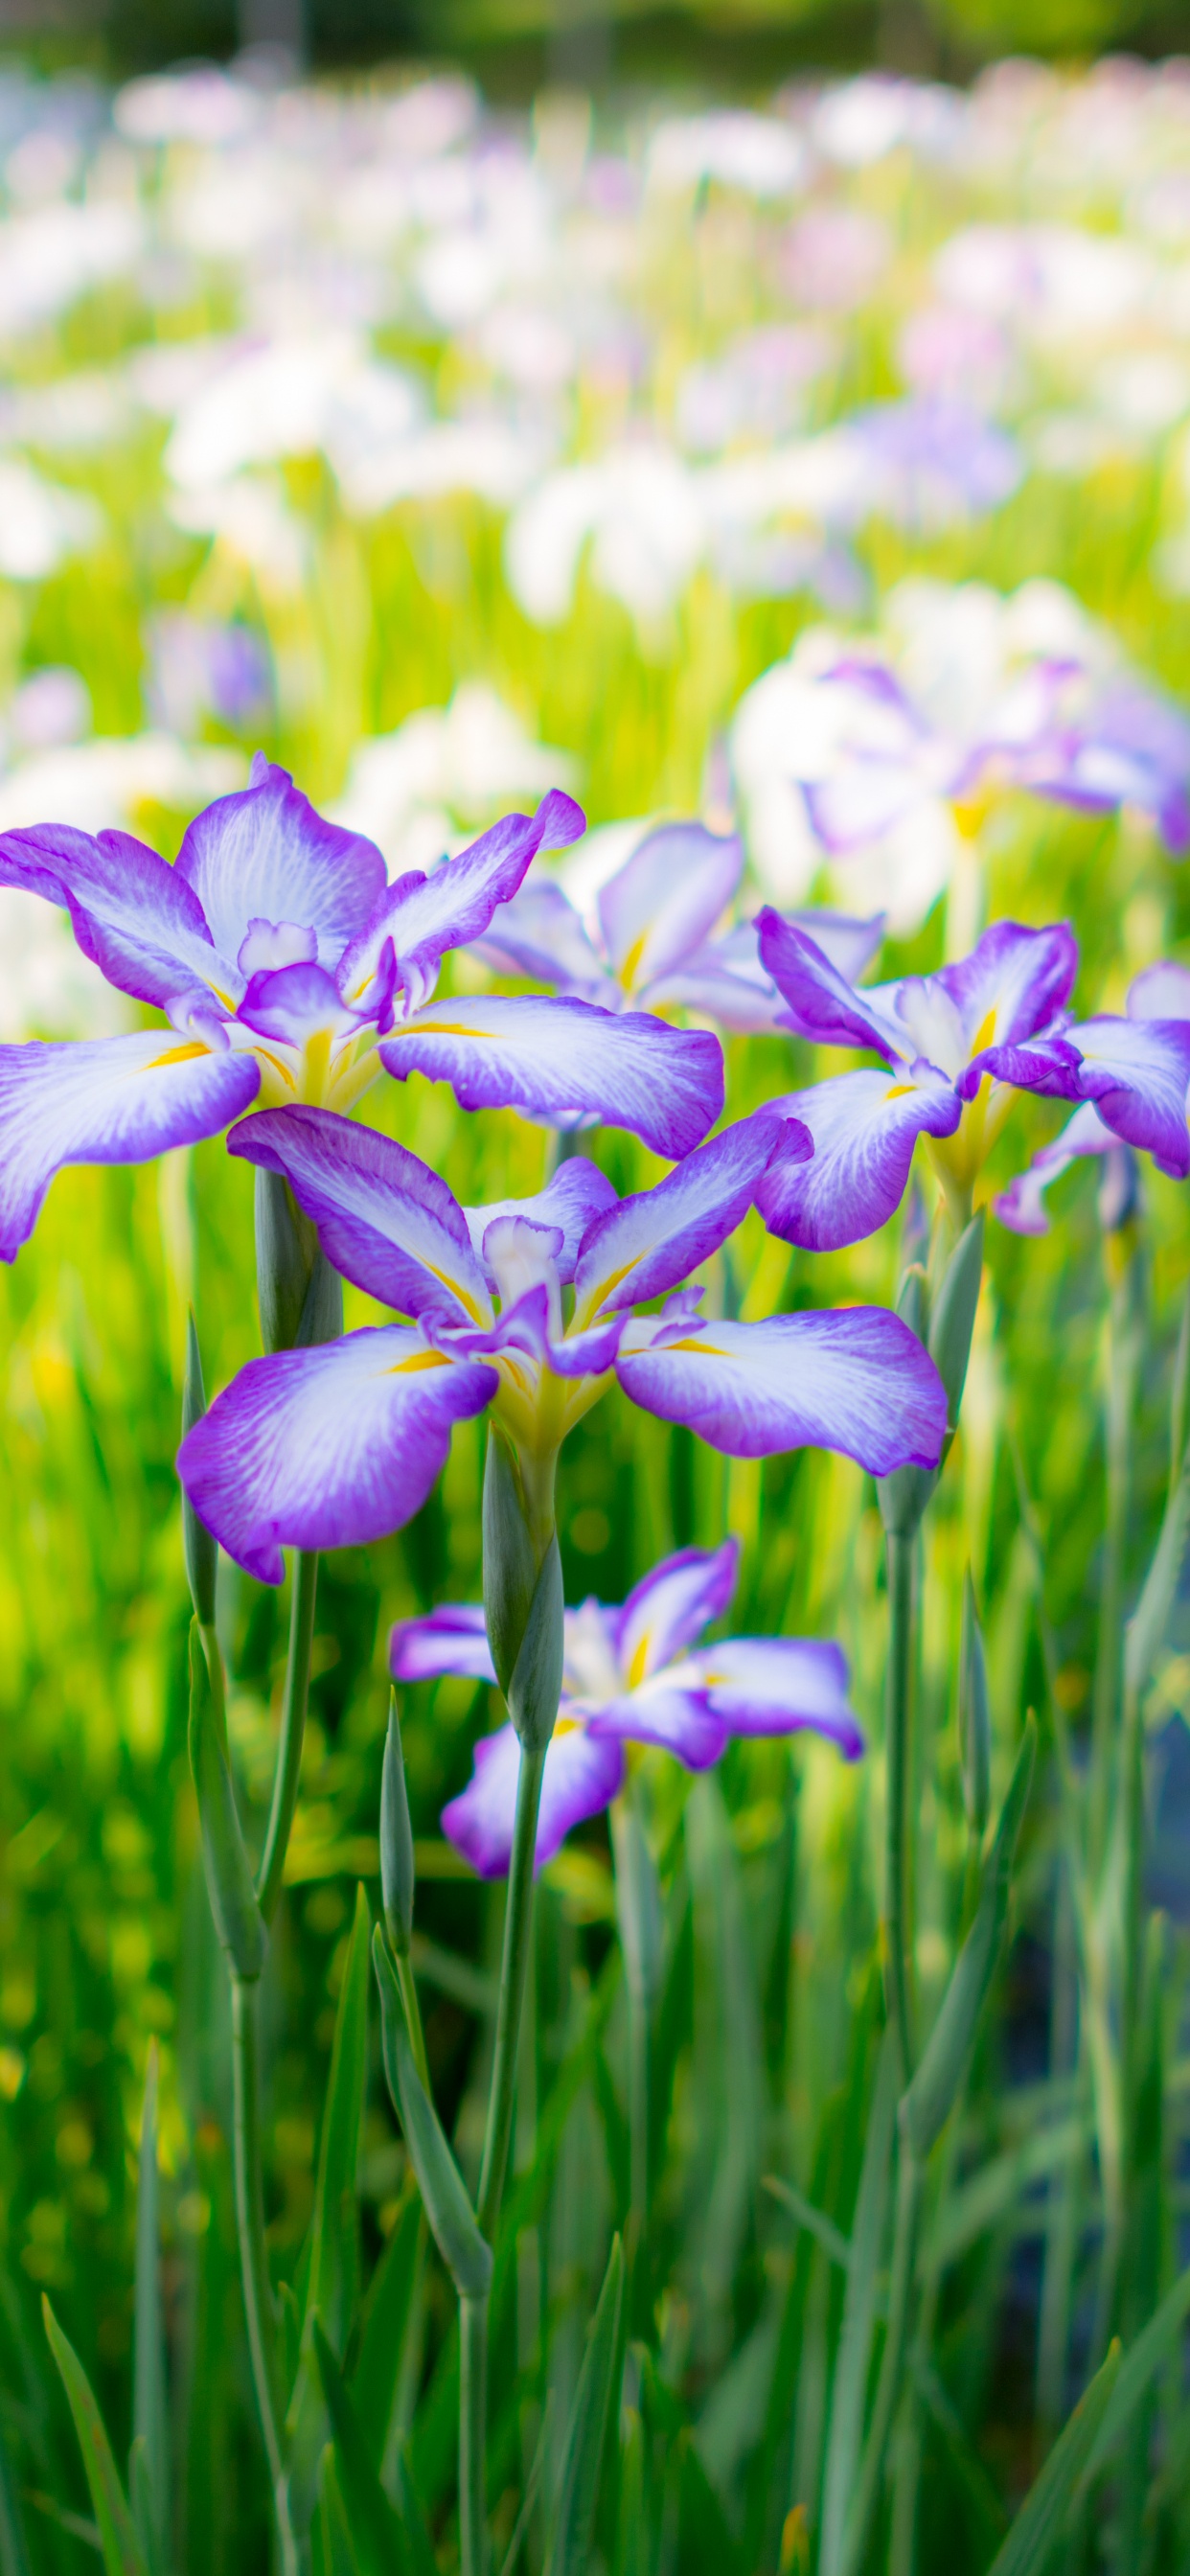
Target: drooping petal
727 983
778 1685
450 1640
327 1447
133 916
423 916
566 1062
864 1127
1136 1072
668 1709
666 899
1012 985
106 1100
576 1195
539 933
581 1777
858 1381
1021 1207
264 854
670 1607
656 1238
819 1002
384 1219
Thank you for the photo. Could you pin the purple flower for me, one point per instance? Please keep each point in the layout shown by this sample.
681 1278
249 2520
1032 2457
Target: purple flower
653 946
336 1445
1134 1074
279 954
634 1675
934 459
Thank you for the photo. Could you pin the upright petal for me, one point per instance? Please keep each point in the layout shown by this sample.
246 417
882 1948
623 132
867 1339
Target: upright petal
452 1639
858 1381
1160 992
133 916
819 1002
327 1447
384 1219
539 933
576 1195
666 899
669 1608
423 916
654 1239
293 1004
1136 1072
1013 984
106 1100
777 1686
864 1127
264 854
581 1777
566 1062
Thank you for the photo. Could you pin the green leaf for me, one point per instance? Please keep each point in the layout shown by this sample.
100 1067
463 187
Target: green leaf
149 2484
975 1725
118 2536
336 2539
238 1920
334 2257
1038 2525
1136 2370
378 2539
995 2189
639 1916
1145 1633
387 2318
931 2095
831 2238
465 2252
952 1321
859 2313
586 2433
397 1874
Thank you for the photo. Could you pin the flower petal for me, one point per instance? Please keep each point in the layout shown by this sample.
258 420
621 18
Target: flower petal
576 1195
133 916
1047 1065
327 1447
293 1003
264 854
581 1777
864 1127
858 1381
425 915
663 1712
539 933
670 1607
566 1062
1021 1207
656 1238
820 1003
452 1639
1012 985
666 899
106 1100
1136 1072
384 1219
1160 992
778 1685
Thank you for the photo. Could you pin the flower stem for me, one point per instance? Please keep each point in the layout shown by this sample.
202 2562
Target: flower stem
473 2406
518 1922
254 2275
293 1731
898 1967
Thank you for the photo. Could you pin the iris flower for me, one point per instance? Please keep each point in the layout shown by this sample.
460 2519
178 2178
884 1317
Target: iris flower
280 956
1160 995
956 1045
527 1307
633 1675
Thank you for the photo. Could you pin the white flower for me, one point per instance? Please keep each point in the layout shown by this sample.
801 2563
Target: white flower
758 154
39 523
50 258
251 520
420 791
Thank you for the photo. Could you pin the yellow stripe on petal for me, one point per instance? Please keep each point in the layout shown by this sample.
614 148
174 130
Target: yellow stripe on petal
640 1661
706 1350
420 1360
900 1090
465 1300
178 1055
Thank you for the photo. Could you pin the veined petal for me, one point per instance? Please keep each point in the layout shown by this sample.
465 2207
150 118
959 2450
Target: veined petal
384 1219
539 933
670 1607
727 983
777 1686
106 1100
264 854
1047 1065
450 1640
425 915
858 1381
864 1127
656 1238
327 1447
292 1003
566 1062
1021 1207
581 1777
663 1712
577 1194
666 899
1136 1072
1012 985
133 916
820 1003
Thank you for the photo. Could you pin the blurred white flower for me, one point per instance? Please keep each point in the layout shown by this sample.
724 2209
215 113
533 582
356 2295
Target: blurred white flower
202 106
39 523
496 460
759 154
50 258
421 791
290 398
858 122
98 785
835 256
251 520
78 411
1053 281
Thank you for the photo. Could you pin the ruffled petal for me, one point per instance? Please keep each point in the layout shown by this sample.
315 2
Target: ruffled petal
819 1002
450 1640
1136 1072
294 1003
327 1447
539 933
133 916
1048 1066
1014 983
858 1381
778 1685
106 1100
654 1239
581 1777
265 855
577 1194
670 1607
567 1063
864 1127
666 899
384 1219
423 916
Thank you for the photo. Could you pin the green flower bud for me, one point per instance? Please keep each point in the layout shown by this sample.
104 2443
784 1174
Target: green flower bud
522 1593
945 1323
301 1297
396 1839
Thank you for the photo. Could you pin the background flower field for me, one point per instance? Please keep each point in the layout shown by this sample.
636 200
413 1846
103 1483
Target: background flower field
449 453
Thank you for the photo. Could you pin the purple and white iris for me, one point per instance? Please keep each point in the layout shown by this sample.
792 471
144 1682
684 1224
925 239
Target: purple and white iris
956 1045
289 969
528 1307
633 1675
1159 997
655 942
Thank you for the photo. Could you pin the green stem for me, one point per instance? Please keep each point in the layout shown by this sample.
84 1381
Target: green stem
898 1967
888 2386
638 2110
254 2273
518 1920
473 2408
293 1730
1120 1400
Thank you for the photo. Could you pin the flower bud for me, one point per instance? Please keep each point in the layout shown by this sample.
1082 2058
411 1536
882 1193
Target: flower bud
199 1549
396 1839
301 1296
522 1594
